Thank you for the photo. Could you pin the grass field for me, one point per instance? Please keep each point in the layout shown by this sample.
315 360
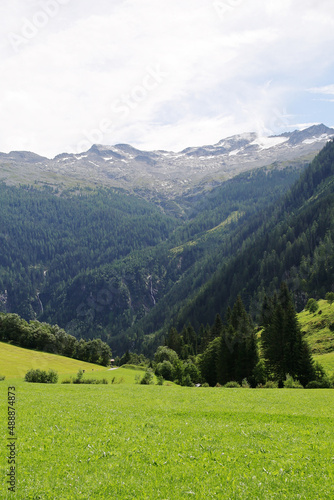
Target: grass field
317 328
129 441
16 361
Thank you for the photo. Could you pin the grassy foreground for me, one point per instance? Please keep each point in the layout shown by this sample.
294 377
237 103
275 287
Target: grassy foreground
156 442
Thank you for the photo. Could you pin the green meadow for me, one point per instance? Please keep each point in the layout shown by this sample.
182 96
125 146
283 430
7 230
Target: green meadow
16 361
128 441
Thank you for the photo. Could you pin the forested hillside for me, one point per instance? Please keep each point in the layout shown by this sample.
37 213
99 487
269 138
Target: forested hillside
293 242
105 264
48 238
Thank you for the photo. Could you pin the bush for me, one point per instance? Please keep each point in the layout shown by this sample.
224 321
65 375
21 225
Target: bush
193 371
290 383
165 370
232 385
270 384
147 378
312 305
319 384
186 381
160 380
205 385
41 376
330 297
245 384
2 377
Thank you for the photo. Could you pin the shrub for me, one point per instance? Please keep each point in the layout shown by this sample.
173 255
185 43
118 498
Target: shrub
2 377
160 380
232 385
319 384
205 385
41 376
52 377
330 297
312 305
193 371
147 378
290 383
186 381
245 384
270 384
165 370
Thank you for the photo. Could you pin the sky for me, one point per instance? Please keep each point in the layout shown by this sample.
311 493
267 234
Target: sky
161 74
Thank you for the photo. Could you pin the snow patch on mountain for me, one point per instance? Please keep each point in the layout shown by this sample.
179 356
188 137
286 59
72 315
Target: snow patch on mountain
268 142
321 138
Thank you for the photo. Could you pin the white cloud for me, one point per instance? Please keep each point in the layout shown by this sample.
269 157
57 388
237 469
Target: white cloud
327 90
87 72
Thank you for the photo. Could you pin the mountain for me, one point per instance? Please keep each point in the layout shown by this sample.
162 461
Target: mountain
101 261
292 240
164 175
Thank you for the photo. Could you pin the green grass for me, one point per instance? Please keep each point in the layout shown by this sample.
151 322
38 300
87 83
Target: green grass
317 328
151 442
16 361
327 361
123 375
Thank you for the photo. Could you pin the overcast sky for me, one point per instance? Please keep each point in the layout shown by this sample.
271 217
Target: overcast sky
161 74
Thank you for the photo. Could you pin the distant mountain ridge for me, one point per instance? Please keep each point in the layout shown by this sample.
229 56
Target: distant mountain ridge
165 174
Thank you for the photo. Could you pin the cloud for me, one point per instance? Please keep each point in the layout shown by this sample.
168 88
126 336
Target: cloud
327 90
156 73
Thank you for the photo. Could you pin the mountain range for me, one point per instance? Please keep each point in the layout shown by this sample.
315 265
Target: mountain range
164 174
120 244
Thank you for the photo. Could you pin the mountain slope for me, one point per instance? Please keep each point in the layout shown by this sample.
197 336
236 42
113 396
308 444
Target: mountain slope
293 243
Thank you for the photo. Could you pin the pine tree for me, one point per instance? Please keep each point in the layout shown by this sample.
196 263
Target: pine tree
284 349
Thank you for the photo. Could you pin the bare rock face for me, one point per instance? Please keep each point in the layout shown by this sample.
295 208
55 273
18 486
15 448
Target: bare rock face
164 174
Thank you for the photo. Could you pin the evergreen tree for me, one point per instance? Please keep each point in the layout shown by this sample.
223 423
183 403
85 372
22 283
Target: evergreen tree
174 341
284 349
209 362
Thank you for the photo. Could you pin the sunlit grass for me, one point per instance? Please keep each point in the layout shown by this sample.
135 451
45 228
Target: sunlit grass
16 361
150 442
